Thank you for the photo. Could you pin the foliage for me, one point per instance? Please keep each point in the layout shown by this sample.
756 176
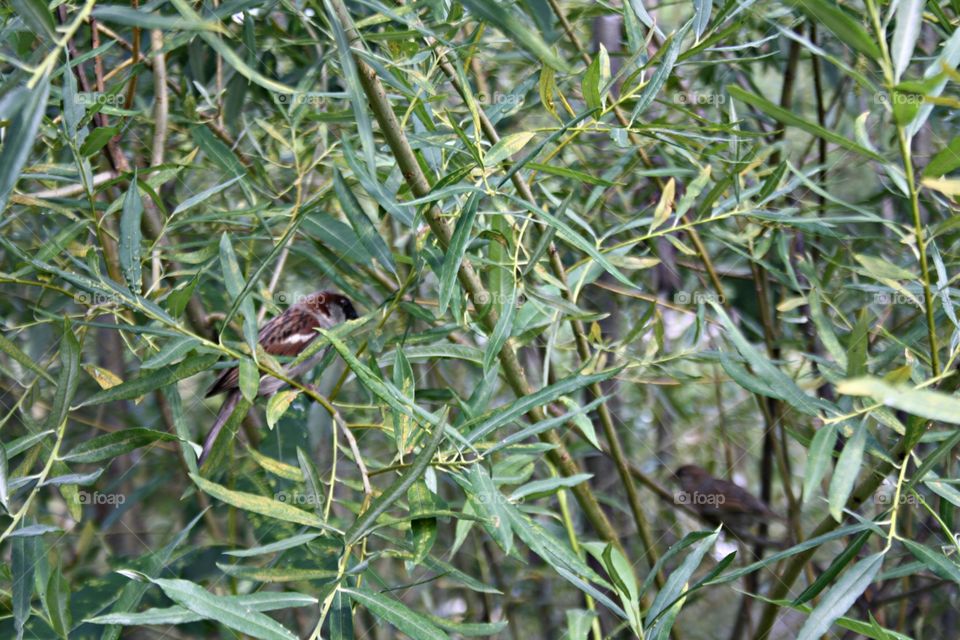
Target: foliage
727 237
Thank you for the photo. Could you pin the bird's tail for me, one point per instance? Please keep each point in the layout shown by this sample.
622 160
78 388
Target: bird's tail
226 409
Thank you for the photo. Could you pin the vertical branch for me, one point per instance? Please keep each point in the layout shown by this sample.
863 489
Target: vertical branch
467 275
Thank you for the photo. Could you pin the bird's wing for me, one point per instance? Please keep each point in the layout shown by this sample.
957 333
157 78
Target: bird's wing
285 335
739 500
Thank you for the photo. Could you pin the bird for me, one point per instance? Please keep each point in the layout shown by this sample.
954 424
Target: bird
288 334
720 501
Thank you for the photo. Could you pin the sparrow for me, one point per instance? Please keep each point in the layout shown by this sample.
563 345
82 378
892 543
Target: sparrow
288 334
720 501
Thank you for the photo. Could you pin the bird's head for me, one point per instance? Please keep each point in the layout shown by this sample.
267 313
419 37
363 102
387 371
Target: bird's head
690 475
333 304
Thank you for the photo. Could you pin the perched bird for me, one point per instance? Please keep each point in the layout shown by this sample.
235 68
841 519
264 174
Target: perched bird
720 501
286 335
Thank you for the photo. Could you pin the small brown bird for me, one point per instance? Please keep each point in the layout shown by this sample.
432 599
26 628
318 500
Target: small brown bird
720 501
286 335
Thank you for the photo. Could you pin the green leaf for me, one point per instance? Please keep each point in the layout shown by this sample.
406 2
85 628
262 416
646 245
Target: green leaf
659 78
131 17
846 471
174 350
278 405
12 350
111 445
502 330
547 486
701 16
579 623
661 614
842 24
259 504
97 140
68 380
857 346
938 563
223 609
260 601
506 147
366 520
358 101
909 19
339 620
502 17
492 506
394 398
507 414
933 405
20 135
396 613
945 161
276 467
273 547
57 603
403 379
37 16
204 195
236 287
590 85
841 597
229 55
24 555
153 380
130 237
786 117
422 529
153 563
839 563
364 228
818 459
571 237
880 269
217 151
780 385
278 574
249 379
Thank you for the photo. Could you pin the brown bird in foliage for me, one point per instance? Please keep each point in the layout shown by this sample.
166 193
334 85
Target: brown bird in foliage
286 335
720 501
